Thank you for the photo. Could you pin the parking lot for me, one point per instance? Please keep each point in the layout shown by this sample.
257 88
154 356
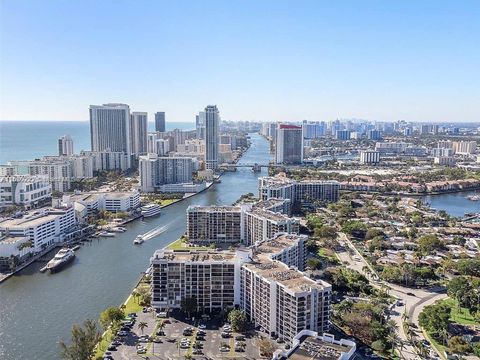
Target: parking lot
180 338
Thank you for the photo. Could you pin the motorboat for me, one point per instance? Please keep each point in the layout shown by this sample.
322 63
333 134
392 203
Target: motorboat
62 258
151 210
106 234
118 229
139 240
473 197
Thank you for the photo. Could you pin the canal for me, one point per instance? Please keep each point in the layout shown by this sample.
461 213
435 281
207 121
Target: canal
37 309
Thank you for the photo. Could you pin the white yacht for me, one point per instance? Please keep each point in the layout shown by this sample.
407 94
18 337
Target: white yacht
106 234
151 210
138 240
62 258
119 229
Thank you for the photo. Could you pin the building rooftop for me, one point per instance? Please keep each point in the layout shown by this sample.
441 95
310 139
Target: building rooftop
276 245
13 239
290 278
314 348
270 215
212 209
195 255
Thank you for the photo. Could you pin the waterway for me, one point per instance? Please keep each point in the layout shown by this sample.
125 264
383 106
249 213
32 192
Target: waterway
455 204
37 309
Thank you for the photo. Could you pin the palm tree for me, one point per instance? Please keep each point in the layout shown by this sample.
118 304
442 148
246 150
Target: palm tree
142 325
161 325
444 335
135 294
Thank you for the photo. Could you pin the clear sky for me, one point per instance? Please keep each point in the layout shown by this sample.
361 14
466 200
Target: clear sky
257 60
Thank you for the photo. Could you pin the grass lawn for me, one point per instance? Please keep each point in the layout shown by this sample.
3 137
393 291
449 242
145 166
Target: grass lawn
103 344
179 245
439 347
460 315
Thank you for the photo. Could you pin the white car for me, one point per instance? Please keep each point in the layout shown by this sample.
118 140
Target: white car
202 326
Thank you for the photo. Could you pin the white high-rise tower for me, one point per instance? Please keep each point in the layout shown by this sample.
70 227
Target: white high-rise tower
138 133
212 125
65 146
110 128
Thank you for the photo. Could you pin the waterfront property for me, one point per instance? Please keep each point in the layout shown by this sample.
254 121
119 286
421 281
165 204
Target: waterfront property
25 190
305 192
265 280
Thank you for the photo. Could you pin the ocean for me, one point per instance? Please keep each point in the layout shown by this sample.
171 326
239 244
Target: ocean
27 140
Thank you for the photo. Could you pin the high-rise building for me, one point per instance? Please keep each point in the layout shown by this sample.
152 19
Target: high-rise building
65 146
160 121
138 133
289 145
369 157
374 135
212 125
157 171
215 223
110 128
343 134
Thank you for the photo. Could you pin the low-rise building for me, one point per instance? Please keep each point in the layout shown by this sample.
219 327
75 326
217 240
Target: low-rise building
309 345
262 224
43 227
24 190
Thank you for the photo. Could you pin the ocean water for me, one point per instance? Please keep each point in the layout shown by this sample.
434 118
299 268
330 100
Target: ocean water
27 140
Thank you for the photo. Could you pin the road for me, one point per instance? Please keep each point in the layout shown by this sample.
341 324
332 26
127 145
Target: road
414 300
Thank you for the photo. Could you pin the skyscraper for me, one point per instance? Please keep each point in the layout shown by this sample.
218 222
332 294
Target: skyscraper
212 120
289 149
138 133
160 121
110 128
65 146
200 125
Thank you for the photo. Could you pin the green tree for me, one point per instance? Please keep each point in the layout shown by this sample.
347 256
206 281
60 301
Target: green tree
434 318
238 320
83 341
314 263
429 243
112 315
266 347
189 304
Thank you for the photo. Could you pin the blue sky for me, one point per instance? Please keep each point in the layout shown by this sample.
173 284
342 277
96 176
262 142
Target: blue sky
257 60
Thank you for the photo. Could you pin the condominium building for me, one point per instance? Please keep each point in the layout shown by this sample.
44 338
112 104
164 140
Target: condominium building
58 170
24 190
212 127
216 224
156 171
343 134
160 121
138 133
289 144
465 147
262 225
390 147
108 160
305 192
277 296
369 157
110 128
374 135
65 146
43 228
282 206
109 201
263 280
313 130
209 277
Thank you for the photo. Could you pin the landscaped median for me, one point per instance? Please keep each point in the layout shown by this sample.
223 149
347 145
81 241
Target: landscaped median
442 324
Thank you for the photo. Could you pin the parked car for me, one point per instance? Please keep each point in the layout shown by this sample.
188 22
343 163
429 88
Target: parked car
112 348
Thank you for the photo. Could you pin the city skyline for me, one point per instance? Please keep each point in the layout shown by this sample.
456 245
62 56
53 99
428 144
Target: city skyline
277 57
